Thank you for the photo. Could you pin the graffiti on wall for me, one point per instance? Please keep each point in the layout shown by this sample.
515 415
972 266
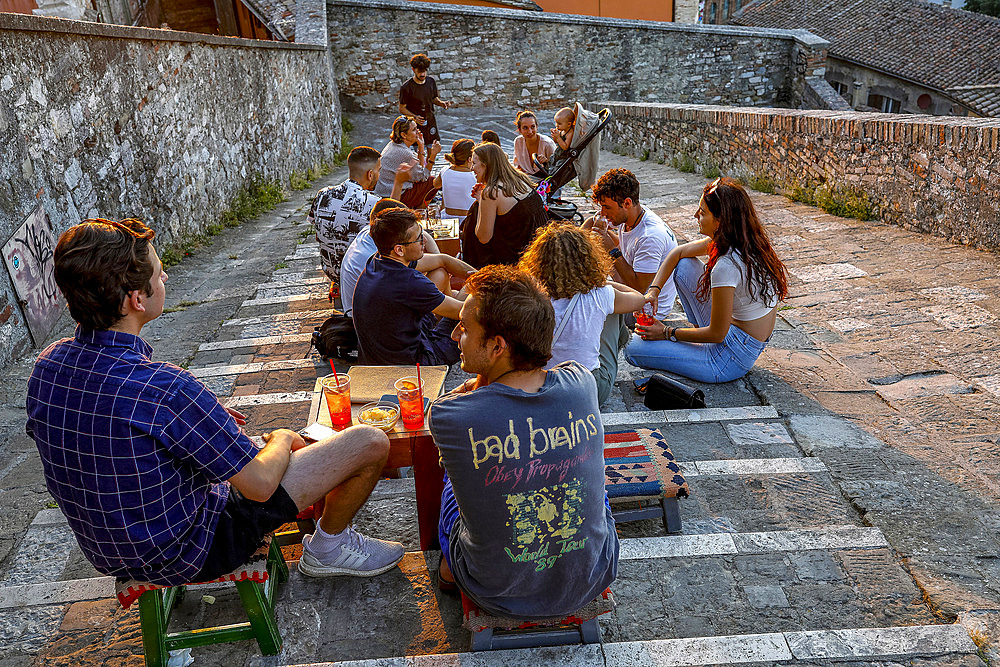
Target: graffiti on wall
28 257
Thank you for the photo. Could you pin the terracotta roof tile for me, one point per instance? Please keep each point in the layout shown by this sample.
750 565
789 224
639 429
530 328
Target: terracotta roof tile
937 46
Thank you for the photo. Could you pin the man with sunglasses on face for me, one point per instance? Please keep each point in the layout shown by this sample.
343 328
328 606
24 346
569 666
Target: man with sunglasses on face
395 303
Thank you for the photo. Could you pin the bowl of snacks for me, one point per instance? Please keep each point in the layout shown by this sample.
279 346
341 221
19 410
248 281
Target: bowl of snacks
379 415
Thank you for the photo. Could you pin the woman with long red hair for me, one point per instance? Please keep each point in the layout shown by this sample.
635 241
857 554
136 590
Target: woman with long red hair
732 300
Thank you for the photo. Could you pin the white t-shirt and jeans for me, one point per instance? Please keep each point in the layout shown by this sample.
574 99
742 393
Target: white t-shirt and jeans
580 338
708 362
644 248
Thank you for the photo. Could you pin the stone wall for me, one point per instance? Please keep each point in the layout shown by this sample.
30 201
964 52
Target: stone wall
113 121
509 58
927 173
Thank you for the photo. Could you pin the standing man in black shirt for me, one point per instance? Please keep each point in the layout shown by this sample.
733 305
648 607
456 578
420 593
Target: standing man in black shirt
418 96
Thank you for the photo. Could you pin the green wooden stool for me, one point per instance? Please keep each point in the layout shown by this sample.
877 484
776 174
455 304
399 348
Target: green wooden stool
256 582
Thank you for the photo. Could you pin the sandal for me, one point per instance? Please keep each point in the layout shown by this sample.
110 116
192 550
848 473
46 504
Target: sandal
640 385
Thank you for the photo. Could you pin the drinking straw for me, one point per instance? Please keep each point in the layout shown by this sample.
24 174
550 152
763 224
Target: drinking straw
335 376
420 387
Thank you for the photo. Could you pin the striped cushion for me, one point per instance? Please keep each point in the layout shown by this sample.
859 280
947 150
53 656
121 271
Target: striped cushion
255 569
638 465
475 619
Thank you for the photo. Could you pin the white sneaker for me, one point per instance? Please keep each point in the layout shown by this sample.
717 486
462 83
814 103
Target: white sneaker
356 555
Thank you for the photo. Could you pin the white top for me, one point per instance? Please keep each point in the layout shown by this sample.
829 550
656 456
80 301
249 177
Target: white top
731 271
645 248
352 266
581 339
456 187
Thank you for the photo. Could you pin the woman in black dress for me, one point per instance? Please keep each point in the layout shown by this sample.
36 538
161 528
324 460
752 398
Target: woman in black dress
506 213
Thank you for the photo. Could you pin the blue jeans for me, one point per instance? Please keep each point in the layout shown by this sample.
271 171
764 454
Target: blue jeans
704 362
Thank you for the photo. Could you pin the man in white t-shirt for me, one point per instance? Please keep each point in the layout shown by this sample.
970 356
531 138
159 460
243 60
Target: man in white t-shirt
339 212
639 241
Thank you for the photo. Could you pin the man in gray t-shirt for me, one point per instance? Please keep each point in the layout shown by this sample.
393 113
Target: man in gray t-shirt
525 527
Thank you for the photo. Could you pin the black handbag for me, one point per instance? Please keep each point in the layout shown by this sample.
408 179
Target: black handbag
663 393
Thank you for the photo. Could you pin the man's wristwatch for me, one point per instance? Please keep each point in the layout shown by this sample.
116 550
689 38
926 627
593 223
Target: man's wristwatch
672 334
615 253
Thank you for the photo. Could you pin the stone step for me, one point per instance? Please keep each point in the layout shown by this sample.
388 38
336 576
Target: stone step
254 342
279 300
40 589
647 417
280 317
257 367
900 643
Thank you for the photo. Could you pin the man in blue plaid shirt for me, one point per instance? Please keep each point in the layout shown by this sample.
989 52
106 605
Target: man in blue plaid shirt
157 479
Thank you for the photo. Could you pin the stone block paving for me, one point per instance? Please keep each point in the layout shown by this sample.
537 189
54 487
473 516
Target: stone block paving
797 521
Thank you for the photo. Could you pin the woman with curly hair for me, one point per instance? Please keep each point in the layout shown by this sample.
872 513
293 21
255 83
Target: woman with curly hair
506 213
573 267
732 301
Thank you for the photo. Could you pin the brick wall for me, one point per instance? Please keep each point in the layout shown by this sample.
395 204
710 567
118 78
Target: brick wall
509 58
927 173
113 121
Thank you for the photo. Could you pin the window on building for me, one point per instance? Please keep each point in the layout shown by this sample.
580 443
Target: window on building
712 13
739 5
844 90
884 103
725 10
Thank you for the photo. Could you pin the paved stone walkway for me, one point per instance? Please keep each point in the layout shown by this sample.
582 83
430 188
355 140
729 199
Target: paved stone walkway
841 507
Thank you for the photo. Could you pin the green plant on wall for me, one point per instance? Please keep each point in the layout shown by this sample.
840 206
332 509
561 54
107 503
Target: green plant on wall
762 183
683 162
843 202
256 197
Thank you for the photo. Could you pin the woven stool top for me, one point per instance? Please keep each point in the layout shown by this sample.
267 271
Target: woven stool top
476 619
638 465
255 569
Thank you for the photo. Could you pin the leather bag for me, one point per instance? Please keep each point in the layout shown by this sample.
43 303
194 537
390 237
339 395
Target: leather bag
663 393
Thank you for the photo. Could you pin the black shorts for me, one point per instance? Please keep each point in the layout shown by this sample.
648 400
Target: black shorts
241 530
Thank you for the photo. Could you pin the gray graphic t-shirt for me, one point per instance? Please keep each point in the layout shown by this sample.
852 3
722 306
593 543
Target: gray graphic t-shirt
535 538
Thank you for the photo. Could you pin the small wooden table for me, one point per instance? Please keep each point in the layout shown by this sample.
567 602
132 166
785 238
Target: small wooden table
407 447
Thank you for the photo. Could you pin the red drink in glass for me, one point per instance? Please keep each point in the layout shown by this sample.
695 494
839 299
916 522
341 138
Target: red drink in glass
337 391
645 316
411 402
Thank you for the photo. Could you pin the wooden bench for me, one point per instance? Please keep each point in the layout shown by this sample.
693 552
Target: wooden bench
579 627
640 468
256 582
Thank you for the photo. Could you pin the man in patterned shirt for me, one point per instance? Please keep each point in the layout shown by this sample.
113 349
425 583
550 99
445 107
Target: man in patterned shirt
339 212
157 479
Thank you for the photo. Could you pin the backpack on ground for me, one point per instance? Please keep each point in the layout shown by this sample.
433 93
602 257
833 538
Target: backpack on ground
335 338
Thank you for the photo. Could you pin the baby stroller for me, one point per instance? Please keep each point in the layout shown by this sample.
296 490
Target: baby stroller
580 160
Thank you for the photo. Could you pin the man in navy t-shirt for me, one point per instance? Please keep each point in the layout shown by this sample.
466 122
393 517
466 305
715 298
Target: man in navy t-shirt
395 303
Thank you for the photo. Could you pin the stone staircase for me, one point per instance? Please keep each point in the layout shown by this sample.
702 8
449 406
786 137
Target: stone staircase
773 565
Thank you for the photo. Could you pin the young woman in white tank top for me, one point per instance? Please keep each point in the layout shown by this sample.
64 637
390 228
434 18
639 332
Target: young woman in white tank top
457 180
732 301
